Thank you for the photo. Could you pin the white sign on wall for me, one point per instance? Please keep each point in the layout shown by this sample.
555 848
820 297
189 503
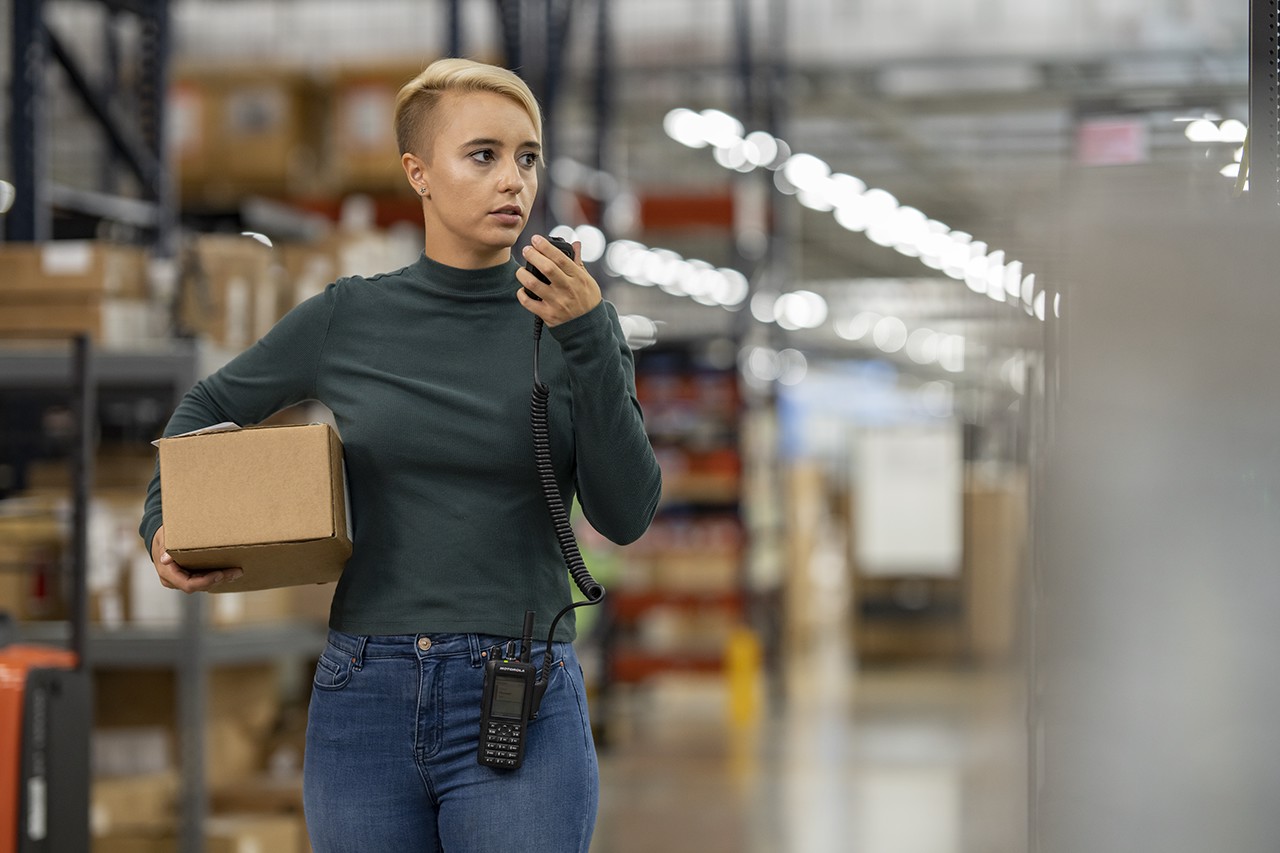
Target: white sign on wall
909 502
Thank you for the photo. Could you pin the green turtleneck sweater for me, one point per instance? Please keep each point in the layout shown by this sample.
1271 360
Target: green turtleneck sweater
428 372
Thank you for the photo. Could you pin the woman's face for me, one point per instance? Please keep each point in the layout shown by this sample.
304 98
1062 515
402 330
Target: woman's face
481 177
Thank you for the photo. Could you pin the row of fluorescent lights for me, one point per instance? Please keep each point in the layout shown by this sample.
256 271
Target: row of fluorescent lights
890 335
794 310
855 206
662 268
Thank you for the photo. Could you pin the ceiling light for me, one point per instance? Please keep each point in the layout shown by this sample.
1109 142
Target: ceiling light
814 200
720 129
805 171
1233 130
951 353
890 334
841 189
638 330
800 309
792 367
762 363
1013 278
1029 292
855 328
922 346
763 307
686 127
1203 130
593 242
733 287
762 148
853 215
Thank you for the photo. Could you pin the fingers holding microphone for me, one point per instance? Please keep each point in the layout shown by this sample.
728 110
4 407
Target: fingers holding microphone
556 286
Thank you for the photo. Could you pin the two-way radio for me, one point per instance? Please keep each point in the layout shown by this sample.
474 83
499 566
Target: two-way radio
513 689
507 706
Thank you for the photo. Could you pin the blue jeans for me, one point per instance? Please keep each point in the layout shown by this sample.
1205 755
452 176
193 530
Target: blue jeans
391 765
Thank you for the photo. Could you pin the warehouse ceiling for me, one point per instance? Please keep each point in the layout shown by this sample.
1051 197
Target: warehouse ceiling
988 146
980 116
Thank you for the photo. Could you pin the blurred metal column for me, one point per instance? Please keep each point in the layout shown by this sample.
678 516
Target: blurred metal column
535 46
28 220
453 26
1264 104
153 84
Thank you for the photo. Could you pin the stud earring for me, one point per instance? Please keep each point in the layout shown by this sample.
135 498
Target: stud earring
422 190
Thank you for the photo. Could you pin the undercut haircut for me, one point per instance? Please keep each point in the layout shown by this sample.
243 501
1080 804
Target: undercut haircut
418 100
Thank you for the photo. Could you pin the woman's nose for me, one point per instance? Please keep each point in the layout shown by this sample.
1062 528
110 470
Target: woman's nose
511 180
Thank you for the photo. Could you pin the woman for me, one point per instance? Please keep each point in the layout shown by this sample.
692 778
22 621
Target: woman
428 373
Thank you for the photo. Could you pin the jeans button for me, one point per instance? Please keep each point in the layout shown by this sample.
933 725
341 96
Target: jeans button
424 643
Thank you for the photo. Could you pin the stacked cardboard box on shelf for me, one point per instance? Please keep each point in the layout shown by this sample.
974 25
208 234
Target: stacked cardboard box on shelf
134 747
229 290
364 154
75 286
32 541
240 131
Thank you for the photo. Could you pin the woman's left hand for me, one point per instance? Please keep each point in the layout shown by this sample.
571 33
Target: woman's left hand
572 291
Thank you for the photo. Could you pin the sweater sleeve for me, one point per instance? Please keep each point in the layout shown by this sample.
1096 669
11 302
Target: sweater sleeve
277 371
618 479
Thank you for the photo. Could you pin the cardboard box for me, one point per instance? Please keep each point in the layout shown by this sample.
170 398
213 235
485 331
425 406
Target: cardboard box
222 834
145 802
265 794
229 290
362 128
270 500
253 833
136 841
244 131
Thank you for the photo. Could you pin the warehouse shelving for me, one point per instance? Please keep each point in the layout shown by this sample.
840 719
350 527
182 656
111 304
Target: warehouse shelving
688 569
193 646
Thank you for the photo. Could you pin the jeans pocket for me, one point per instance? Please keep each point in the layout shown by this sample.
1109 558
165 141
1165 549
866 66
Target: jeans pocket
333 669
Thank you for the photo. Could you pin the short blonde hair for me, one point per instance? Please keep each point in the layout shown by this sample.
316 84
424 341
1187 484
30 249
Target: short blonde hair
418 99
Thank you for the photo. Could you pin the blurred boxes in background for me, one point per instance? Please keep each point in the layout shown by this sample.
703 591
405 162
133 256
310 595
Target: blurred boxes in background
364 153
31 546
73 286
229 290
239 131
143 802
244 705
135 744
241 833
995 554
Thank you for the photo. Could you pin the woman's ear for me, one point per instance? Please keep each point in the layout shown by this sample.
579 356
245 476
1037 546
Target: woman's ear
416 171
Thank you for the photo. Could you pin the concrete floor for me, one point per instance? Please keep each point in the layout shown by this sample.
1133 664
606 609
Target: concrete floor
908 760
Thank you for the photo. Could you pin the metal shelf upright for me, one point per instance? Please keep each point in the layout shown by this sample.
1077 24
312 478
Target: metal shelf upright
134 132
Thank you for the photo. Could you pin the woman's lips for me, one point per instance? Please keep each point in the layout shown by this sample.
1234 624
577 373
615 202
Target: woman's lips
507 216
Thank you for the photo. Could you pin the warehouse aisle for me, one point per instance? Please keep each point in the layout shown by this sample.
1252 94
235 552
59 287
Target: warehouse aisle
916 760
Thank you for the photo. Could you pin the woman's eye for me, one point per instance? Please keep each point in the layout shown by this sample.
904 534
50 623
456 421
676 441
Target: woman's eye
483 156
529 160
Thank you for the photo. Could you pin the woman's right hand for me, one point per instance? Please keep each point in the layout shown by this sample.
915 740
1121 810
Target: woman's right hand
174 576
